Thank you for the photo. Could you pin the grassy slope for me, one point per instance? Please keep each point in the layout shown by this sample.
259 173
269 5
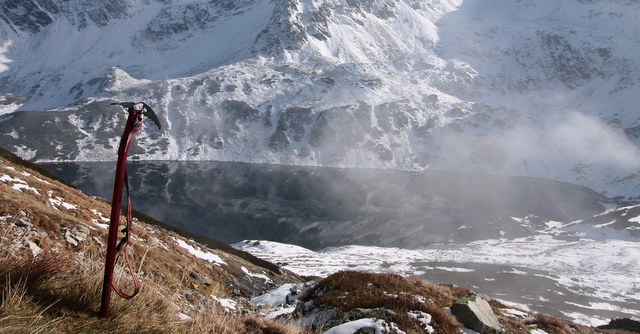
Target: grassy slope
59 290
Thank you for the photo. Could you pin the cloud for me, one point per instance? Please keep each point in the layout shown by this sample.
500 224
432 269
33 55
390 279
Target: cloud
552 150
588 139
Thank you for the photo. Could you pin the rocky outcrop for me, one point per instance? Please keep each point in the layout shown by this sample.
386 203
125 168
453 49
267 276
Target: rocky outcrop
21 233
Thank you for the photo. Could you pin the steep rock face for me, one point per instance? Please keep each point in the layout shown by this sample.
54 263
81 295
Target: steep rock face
32 16
29 16
100 13
319 21
177 22
285 30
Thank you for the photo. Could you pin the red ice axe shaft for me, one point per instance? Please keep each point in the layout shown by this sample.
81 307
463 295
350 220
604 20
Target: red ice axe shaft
134 123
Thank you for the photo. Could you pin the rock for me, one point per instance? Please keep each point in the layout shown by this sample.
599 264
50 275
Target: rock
33 248
81 229
189 296
200 277
130 250
279 140
80 232
22 223
361 313
68 237
153 242
476 314
76 234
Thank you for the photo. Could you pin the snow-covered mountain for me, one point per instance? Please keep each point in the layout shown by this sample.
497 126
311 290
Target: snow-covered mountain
534 88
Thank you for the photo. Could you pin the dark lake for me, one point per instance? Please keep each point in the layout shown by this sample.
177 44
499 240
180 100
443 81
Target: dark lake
316 207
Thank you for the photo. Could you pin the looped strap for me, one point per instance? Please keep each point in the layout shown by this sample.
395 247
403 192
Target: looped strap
121 248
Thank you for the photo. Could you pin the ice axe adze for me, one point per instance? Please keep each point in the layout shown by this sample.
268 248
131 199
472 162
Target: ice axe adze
134 123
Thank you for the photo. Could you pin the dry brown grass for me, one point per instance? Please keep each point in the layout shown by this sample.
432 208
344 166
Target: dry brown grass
55 292
239 325
553 325
548 321
40 298
442 295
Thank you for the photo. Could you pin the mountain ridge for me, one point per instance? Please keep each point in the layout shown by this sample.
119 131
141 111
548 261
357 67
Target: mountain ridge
530 88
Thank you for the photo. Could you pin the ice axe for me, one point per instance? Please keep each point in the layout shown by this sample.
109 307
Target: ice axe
136 112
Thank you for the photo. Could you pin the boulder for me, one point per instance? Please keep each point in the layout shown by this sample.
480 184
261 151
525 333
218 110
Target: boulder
476 314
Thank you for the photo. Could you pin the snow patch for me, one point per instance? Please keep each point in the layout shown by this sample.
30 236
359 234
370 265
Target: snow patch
380 326
197 252
249 273
18 184
227 303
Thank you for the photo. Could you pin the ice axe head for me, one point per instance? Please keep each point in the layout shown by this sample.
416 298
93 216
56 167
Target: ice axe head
141 106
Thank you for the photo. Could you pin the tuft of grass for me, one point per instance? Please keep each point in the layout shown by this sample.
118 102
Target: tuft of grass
239 325
20 314
31 272
549 321
27 299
